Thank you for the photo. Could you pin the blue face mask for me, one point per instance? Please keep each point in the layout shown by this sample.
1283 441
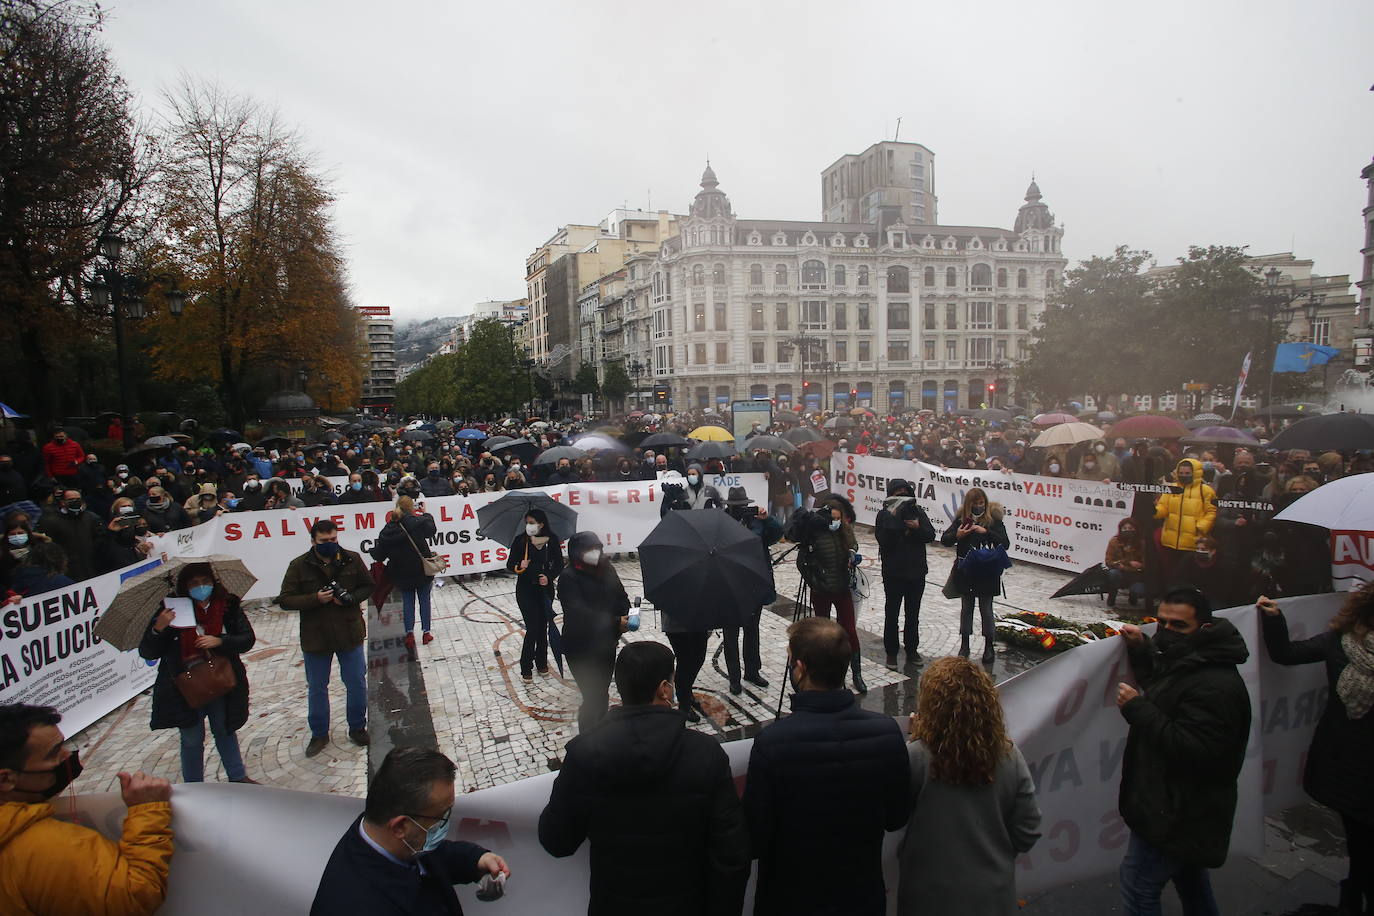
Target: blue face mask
356 486
327 549
232 503
433 836
201 592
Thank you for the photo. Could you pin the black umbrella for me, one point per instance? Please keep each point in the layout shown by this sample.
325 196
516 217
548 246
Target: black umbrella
1091 581
228 435
274 442
839 423
552 455
1290 410
771 443
555 637
703 451
416 435
522 447
503 519
664 440
496 441
1335 432
705 569
802 435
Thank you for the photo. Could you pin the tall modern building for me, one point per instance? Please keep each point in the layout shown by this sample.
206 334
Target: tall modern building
876 305
379 377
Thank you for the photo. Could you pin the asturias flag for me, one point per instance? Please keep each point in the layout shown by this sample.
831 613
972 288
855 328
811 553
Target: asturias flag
1299 357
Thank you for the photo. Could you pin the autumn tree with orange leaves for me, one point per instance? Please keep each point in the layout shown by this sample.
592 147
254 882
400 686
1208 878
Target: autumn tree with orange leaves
247 227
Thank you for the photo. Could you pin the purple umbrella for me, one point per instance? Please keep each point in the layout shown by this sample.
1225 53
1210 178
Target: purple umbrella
1220 435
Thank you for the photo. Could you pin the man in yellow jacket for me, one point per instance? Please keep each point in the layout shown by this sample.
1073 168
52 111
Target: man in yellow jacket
49 866
1185 515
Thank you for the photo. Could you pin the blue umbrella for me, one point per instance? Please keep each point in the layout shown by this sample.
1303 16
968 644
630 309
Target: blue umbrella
470 434
9 413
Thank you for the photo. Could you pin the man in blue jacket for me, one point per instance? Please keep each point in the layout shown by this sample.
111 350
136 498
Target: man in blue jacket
394 859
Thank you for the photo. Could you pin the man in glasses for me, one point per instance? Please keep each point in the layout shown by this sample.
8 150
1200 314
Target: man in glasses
396 858
1190 721
51 866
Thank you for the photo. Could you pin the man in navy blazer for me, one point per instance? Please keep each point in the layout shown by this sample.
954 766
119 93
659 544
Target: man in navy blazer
394 859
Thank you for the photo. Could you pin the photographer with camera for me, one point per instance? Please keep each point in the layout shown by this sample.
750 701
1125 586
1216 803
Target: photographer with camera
903 530
328 585
769 532
827 550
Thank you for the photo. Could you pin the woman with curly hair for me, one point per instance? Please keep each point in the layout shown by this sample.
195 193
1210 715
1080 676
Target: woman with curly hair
1341 758
974 807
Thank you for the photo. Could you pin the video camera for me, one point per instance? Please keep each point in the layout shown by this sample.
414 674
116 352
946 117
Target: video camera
806 525
675 497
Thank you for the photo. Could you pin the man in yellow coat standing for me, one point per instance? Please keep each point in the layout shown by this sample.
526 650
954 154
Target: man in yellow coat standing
1185 516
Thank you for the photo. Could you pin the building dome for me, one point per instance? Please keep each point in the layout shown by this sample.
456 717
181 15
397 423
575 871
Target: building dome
711 200
1034 213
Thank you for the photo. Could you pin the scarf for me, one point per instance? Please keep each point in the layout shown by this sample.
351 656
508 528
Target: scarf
211 620
1355 686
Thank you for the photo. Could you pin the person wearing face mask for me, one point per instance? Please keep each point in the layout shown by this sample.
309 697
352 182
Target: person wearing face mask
1125 562
76 530
43 569
221 631
564 473
402 545
395 858
903 530
595 613
1189 725
19 539
1054 466
1185 515
824 562
700 494
1306 566
1090 467
124 540
536 559
55 866
435 484
12 485
162 514
62 458
978 524
355 492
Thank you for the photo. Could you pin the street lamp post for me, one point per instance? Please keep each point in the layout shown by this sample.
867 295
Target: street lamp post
803 344
997 367
636 369
120 293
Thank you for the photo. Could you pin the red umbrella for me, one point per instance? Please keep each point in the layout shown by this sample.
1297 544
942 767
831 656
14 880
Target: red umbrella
1054 419
1149 426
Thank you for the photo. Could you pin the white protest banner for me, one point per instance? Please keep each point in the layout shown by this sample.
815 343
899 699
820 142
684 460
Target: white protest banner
50 655
1051 521
238 852
1352 558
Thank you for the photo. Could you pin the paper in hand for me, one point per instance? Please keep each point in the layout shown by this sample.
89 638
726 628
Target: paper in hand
185 612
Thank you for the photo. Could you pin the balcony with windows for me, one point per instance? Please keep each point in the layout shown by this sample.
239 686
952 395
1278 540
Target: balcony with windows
815 287
611 326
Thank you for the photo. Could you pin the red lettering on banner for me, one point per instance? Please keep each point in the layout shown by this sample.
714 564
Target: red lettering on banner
1353 547
232 531
338 520
364 520
443 514
632 496
467 559
286 526
591 498
467 514
575 498
851 496
502 554
653 494
1114 833
613 497
486 556
849 462
1070 702
1069 849
557 497
620 538
260 531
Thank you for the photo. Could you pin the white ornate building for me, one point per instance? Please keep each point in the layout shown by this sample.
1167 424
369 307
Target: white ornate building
880 314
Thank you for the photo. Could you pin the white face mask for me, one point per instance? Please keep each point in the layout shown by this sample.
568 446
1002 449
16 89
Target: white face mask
591 557
532 530
692 479
1054 469
834 524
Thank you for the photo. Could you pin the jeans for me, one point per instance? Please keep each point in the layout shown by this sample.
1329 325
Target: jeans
1132 581
984 611
1145 871
753 664
592 672
408 596
226 742
353 672
897 591
535 611
690 649
844 610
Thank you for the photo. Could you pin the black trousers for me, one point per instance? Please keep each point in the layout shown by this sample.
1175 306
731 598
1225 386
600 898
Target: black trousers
897 591
1359 847
690 649
753 664
984 611
592 672
534 610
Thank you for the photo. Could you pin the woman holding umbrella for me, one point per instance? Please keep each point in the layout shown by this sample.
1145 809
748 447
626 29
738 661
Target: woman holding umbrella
221 629
536 559
595 609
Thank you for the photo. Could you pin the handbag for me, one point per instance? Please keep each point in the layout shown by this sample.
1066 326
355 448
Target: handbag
433 564
206 679
950 590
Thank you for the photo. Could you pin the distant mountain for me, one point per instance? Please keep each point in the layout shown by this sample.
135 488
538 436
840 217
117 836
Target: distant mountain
419 339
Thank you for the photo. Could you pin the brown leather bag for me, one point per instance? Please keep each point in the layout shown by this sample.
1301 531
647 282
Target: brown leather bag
206 679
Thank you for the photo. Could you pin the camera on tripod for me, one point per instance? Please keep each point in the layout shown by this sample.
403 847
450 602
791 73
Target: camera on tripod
806 525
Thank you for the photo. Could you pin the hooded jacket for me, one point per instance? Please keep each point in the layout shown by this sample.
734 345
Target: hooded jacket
1186 746
902 549
703 495
592 598
658 804
51 866
1188 515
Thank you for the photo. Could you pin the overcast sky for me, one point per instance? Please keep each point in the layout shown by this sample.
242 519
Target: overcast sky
459 136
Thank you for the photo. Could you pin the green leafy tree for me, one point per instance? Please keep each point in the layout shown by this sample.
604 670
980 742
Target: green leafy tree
487 370
617 382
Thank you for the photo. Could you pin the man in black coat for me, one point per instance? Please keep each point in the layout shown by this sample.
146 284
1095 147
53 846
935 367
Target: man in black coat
655 800
1190 722
824 784
903 530
394 859
75 530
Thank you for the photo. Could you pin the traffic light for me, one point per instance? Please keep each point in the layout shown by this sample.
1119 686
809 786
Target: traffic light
805 383
992 386
853 392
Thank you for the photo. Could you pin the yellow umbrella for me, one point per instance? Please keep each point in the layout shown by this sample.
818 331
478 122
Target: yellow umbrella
711 434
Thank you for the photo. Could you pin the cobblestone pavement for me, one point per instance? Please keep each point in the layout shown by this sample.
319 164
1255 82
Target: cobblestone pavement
465 686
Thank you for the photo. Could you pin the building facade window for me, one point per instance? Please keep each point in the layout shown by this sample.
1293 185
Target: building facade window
1001 278
718 275
839 275
841 351
780 275
780 322
722 354
813 273
981 275
1001 316
698 275
951 352
841 317
1049 279
699 316
1022 318
861 312
951 277
980 316
1321 332
865 350
813 313
899 316
898 280
699 354
784 351
1021 279
756 352
756 317
863 275
929 346
929 323
951 316
928 277
899 349
720 313
755 274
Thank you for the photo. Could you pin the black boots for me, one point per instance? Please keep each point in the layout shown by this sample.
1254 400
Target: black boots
963 646
988 656
855 663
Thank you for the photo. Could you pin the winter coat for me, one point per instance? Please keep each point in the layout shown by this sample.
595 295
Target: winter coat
34 580
52 866
593 601
1122 552
902 549
114 551
959 852
63 461
77 535
327 627
172 518
1184 752
824 785
1189 515
542 561
435 487
358 879
401 544
824 563
1342 753
987 585
169 706
647 791
703 495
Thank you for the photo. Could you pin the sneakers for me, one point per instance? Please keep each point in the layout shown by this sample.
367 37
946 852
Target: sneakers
526 675
359 737
543 670
758 680
317 744
892 661
428 638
